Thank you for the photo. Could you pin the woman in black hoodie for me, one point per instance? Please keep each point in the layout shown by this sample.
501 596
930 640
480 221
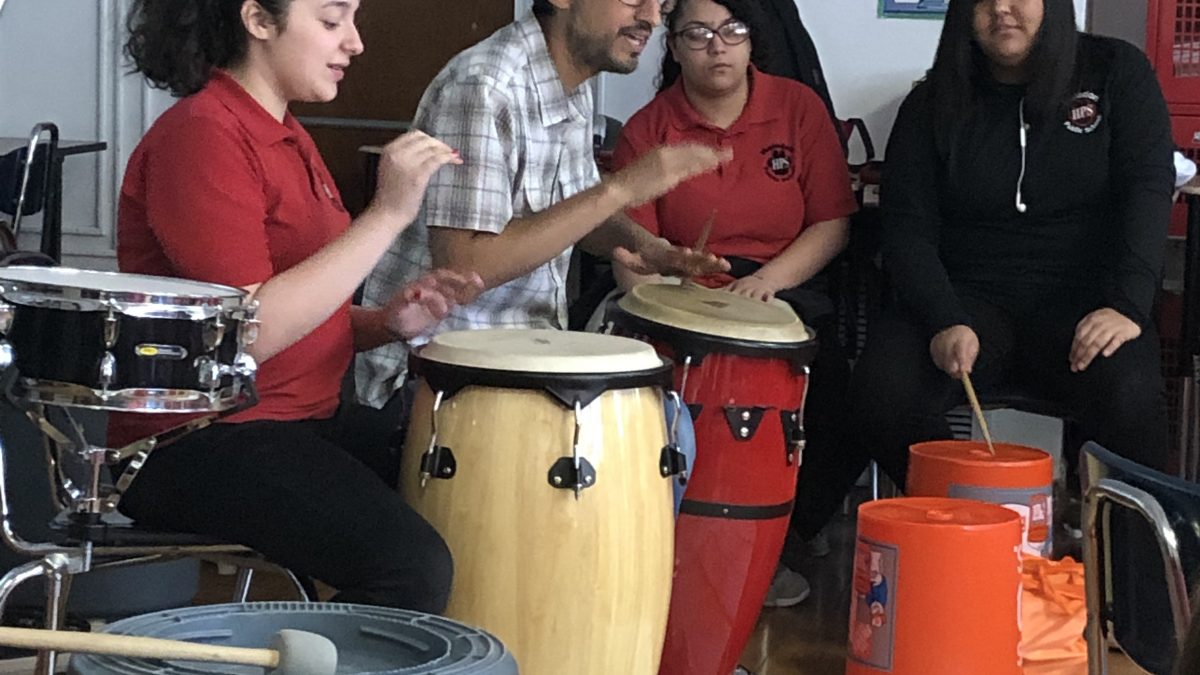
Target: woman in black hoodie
1025 209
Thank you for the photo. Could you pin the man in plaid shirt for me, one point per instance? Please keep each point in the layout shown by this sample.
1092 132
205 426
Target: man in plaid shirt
517 108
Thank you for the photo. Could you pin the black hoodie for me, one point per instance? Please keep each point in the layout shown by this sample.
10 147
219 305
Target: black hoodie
1097 190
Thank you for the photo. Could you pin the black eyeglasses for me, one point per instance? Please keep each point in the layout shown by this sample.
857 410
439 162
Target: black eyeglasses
732 32
665 6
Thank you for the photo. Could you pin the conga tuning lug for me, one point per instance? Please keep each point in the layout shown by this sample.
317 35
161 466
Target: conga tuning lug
7 355
743 422
439 463
564 476
6 317
672 462
794 437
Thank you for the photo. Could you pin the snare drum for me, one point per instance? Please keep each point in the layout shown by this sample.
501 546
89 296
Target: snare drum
125 342
536 455
742 369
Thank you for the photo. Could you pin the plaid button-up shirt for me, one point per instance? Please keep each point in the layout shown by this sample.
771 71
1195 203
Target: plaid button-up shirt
526 143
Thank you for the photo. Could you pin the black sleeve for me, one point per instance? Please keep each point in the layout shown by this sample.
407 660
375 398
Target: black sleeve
912 223
1143 176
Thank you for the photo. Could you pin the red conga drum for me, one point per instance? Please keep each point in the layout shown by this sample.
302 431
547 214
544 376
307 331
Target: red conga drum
742 369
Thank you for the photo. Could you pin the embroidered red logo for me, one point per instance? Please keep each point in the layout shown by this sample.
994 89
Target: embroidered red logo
1084 114
781 164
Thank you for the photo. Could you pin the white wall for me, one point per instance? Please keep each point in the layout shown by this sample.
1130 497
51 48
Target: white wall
60 62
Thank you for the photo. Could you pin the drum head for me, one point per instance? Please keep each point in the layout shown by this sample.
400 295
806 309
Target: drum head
76 284
715 312
541 351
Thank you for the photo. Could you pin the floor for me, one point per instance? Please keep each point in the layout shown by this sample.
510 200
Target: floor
808 639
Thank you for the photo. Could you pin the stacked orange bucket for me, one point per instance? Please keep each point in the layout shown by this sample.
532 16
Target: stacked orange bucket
935 590
1016 476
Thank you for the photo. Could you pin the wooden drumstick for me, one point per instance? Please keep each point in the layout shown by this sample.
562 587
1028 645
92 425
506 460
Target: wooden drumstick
702 242
293 652
978 410
707 230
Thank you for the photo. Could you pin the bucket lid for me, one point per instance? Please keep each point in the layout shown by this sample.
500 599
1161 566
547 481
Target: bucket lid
976 453
935 511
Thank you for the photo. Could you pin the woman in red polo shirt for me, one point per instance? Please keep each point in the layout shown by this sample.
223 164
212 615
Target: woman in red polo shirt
227 187
779 210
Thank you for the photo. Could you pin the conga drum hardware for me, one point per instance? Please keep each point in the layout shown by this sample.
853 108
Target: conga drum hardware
560 441
438 461
673 462
744 362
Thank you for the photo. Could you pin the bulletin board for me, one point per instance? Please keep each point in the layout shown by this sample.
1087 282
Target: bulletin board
931 9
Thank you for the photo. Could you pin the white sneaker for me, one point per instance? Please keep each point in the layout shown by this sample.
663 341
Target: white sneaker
788 588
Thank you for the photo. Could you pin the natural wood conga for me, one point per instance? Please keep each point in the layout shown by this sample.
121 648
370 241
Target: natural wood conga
570 569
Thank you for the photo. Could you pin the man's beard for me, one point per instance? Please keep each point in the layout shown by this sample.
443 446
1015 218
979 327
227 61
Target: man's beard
596 52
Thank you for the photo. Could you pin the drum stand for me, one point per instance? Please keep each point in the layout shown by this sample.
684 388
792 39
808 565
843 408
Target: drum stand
89 503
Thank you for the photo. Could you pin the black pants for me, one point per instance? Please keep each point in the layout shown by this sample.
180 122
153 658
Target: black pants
315 496
899 397
826 407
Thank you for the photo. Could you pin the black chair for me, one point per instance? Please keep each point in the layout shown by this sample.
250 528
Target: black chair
26 189
62 553
1142 556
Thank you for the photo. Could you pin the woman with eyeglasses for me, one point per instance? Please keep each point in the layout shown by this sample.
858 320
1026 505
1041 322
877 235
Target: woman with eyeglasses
779 210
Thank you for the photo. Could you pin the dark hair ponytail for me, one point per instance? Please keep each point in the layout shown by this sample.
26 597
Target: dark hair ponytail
175 44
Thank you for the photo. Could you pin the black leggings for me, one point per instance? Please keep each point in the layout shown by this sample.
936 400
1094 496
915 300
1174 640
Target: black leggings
899 397
315 496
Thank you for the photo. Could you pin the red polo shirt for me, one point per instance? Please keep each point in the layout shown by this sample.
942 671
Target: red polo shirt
220 191
788 170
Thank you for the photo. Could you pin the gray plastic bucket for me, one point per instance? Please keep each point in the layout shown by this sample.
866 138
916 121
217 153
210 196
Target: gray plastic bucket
370 640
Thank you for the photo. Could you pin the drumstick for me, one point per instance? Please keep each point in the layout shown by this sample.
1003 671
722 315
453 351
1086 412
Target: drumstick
703 240
292 651
978 410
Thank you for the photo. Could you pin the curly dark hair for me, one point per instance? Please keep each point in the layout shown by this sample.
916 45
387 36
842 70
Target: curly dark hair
748 12
175 44
542 8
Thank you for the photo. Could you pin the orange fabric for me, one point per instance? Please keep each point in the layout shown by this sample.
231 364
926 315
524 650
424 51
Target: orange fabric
1053 617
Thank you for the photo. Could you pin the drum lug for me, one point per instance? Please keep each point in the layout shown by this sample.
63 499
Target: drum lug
248 328
672 462
214 333
110 329
564 476
6 317
7 355
439 463
108 373
794 437
743 422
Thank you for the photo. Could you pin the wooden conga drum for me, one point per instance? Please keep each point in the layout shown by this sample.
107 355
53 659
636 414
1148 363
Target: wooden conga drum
742 368
536 455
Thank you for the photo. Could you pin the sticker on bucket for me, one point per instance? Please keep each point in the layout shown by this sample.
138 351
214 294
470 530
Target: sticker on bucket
1034 505
873 611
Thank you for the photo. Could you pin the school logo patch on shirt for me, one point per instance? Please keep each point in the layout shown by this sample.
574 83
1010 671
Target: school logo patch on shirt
1084 115
781 164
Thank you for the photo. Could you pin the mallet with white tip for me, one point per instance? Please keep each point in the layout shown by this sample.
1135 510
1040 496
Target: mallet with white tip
292 652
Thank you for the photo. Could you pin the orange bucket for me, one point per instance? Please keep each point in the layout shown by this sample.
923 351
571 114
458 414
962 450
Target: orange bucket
935 590
1018 477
